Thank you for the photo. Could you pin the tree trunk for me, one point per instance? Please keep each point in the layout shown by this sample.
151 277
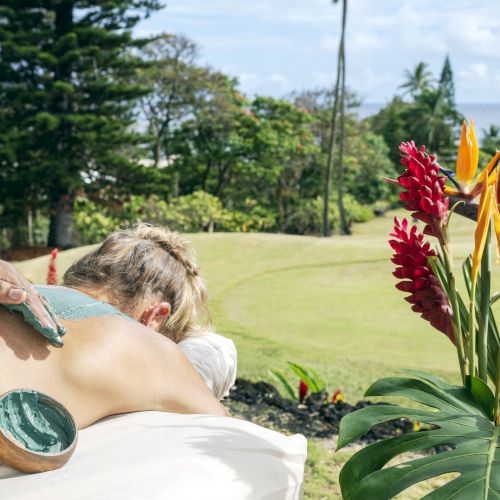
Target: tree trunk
281 206
61 204
326 231
61 223
175 184
344 224
157 152
30 227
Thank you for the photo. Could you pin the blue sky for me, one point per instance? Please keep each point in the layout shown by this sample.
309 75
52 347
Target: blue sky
276 46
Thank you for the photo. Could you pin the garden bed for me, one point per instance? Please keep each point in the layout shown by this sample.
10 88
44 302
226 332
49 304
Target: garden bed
261 403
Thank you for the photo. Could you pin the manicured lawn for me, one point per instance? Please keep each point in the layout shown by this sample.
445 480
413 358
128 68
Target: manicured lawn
326 303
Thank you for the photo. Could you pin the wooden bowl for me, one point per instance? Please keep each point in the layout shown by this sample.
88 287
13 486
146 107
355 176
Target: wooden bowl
37 433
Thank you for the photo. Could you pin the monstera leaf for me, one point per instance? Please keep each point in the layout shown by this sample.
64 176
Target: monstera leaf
460 417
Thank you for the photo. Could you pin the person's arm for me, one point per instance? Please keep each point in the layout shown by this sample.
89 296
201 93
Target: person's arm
17 293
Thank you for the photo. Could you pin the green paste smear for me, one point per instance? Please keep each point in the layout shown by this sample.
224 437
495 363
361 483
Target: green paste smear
36 422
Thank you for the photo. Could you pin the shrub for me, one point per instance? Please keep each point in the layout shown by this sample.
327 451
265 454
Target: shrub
92 223
308 218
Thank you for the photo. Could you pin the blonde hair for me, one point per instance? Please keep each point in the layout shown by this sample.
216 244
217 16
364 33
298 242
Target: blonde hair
142 263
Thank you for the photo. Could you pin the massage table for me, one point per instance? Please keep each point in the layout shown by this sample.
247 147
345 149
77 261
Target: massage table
157 455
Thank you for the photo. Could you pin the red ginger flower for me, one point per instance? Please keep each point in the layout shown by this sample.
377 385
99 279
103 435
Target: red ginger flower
426 295
303 389
423 186
337 396
51 275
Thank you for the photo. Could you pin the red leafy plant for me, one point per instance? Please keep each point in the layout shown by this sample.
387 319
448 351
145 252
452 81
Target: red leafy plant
309 381
427 297
303 390
423 185
52 272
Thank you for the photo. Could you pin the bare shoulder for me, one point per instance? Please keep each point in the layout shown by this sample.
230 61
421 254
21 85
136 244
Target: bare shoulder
129 367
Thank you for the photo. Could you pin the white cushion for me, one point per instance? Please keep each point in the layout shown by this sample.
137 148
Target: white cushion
215 358
155 455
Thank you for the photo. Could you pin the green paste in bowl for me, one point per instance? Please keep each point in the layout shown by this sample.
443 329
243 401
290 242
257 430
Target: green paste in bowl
36 421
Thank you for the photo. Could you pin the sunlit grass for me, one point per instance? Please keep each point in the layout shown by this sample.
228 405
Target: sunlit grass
326 303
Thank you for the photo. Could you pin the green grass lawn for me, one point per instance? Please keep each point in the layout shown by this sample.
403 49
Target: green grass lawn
325 303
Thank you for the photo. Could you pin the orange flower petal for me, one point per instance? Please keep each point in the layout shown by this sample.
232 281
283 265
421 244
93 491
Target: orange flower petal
465 172
496 219
487 170
448 191
483 225
474 147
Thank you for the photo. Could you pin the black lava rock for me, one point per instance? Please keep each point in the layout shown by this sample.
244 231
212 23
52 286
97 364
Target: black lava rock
262 403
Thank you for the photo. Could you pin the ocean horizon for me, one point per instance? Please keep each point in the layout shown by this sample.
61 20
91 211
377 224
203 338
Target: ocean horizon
483 114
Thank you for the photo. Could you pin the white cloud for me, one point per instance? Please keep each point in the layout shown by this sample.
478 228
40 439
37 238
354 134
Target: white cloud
480 69
249 79
280 80
296 41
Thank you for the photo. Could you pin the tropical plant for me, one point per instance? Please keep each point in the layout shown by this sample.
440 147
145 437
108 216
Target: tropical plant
430 117
464 419
308 380
418 80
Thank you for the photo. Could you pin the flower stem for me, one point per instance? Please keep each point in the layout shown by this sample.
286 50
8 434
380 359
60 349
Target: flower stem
457 323
497 392
482 346
472 330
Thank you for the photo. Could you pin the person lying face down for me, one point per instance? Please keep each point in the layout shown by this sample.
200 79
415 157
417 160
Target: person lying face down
149 274
109 363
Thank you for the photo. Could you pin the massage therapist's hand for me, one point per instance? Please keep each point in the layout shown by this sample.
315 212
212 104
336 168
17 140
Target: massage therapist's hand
18 294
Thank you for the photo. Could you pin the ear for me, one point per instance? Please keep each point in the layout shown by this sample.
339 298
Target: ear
155 315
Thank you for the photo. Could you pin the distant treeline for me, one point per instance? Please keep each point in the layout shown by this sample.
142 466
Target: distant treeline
98 130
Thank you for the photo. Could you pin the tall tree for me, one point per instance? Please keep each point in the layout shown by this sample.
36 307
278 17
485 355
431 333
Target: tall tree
446 83
65 73
417 80
338 109
174 80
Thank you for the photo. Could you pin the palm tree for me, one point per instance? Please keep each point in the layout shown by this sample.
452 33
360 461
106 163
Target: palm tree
417 81
430 122
338 108
490 142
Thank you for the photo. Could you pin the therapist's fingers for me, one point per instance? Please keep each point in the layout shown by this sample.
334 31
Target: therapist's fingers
60 328
11 294
49 325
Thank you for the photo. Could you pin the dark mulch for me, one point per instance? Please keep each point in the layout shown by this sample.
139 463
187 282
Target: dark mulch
24 253
261 403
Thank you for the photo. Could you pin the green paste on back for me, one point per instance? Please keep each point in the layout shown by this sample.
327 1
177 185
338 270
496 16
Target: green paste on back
67 304
74 305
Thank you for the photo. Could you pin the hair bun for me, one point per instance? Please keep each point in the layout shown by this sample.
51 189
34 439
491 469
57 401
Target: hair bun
171 241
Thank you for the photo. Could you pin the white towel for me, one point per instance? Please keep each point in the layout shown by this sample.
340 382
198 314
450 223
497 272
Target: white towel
215 358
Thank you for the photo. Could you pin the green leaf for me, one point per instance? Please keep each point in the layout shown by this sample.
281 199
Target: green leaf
281 377
455 418
482 394
494 298
439 270
452 211
313 383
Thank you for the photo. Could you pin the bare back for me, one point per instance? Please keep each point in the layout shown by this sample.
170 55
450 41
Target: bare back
108 365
